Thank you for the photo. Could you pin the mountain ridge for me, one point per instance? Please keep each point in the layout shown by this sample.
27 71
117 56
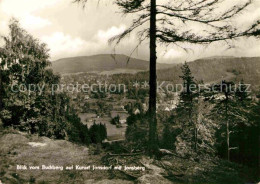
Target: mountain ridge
101 63
210 69
216 69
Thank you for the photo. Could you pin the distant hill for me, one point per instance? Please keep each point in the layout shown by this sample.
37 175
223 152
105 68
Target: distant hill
102 63
214 69
210 70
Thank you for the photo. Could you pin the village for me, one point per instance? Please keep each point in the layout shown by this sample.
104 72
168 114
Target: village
110 108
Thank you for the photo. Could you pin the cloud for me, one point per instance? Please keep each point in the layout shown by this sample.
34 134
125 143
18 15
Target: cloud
60 43
3 27
25 11
69 30
65 45
21 7
111 32
173 54
30 22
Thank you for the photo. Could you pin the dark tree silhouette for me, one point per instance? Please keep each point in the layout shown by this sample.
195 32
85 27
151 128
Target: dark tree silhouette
187 108
172 23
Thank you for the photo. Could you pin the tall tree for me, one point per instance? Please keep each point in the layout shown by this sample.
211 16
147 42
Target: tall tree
252 143
172 22
186 113
245 135
153 137
24 62
230 111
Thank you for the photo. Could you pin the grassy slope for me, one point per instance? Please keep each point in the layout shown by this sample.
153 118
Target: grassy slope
16 150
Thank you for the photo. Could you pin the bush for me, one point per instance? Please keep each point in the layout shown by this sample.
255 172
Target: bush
168 138
115 120
137 131
1 124
77 132
97 133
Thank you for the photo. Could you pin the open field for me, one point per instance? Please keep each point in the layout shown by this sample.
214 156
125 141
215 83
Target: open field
113 133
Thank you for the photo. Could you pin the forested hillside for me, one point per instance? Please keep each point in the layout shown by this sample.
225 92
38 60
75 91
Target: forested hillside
210 70
101 63
215 69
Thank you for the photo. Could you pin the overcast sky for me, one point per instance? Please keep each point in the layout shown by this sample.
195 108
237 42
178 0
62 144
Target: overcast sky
69 30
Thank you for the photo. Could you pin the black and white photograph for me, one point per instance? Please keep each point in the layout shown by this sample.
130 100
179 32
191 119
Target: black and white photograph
129 91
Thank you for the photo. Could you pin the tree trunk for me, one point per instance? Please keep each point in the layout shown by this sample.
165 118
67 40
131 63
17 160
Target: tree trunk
153 145
228 150
196 139
227 124
1 95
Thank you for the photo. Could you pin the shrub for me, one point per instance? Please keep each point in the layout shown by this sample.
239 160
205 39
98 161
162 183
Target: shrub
97 133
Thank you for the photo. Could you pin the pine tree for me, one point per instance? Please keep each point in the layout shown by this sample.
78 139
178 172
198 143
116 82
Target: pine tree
230 112
206 128
250 154
162 28
244 131
186 113
95 134
103 131
241 93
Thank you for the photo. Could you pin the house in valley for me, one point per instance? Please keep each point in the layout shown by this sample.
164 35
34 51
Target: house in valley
123 115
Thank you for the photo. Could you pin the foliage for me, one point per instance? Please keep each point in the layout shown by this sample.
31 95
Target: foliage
168 138
186 114
131 107
214 24
115 120
97 133
43 110
231 111
137 131
197 131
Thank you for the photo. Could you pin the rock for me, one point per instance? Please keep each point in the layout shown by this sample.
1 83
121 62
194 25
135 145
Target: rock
37 144
165 152
167 163
153 179
106 181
